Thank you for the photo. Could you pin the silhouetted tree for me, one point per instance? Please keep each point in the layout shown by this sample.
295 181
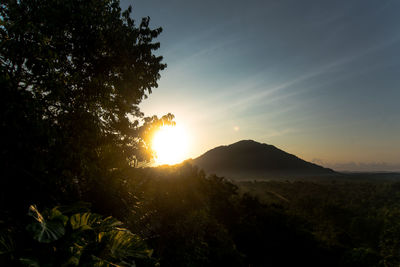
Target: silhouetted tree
72 75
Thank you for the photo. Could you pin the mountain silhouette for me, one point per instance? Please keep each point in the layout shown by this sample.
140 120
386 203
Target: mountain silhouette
248 159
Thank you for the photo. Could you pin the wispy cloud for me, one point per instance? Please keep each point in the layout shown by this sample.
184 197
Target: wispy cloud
275 133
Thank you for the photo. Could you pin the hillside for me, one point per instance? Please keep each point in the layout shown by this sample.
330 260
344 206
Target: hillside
248 159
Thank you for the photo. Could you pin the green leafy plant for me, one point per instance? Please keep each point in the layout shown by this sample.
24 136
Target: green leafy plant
47 230
77 239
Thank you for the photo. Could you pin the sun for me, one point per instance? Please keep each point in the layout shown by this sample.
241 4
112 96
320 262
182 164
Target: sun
170 144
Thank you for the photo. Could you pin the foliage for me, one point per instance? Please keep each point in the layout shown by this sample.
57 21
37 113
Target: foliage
72 75
79 239
357 218
194 220
47 230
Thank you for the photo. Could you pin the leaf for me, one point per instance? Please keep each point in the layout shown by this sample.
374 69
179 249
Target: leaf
76 252
84 221
29 262
43 230
7 244
123 244
100 236
98 262
88 220
56 215
109 223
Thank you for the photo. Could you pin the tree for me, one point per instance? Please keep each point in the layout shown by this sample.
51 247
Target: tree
72 75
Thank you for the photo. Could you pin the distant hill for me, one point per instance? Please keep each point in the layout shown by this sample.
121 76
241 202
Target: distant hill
248 159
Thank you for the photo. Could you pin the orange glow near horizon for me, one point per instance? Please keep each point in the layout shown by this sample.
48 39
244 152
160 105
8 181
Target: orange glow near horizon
170 144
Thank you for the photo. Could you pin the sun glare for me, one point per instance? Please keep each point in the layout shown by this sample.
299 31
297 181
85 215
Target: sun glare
170 144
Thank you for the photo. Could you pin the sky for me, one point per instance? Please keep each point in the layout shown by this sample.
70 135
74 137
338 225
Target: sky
318 79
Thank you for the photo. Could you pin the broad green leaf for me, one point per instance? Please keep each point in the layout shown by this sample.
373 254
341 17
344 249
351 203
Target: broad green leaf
109 223
56 215
88 220
43 230
124 244
85 221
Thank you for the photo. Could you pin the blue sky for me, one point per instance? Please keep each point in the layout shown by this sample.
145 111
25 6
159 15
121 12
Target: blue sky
318 79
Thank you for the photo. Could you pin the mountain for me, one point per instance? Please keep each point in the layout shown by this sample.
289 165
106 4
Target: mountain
248 159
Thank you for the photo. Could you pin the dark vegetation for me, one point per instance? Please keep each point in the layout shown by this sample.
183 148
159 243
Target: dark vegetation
359 218
71 192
